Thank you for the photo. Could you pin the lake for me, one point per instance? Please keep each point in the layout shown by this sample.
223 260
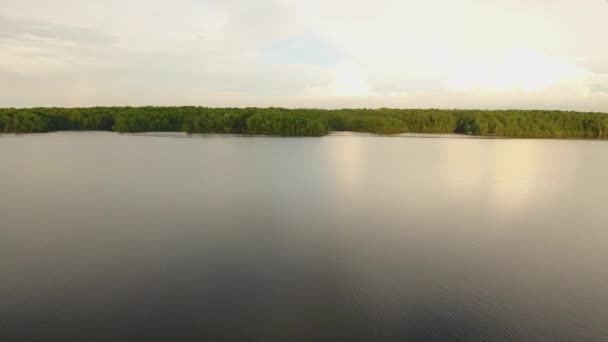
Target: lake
347 237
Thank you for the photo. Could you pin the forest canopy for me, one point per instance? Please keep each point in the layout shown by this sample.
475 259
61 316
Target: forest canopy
307 122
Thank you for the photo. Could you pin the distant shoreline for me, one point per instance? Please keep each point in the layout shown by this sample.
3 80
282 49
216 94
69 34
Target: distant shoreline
310 122
333 134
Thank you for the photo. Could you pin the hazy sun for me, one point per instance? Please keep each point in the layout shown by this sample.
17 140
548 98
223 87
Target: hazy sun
525 70
349 80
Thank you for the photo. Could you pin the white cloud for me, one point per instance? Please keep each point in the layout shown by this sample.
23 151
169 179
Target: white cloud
402 53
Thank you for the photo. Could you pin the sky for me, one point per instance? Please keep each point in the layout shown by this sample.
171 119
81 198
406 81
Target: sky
488 54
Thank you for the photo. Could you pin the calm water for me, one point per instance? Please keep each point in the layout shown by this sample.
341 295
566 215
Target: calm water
112 237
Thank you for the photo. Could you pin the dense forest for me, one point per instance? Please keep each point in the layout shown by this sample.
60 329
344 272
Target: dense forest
307 122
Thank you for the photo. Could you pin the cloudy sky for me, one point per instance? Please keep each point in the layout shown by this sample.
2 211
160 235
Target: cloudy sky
313 53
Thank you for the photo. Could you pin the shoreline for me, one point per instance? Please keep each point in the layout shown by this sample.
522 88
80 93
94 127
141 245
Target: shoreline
332 134
494 124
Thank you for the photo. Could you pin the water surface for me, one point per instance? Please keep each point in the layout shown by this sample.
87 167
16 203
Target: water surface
112 237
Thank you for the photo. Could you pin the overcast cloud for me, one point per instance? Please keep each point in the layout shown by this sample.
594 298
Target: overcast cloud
314 53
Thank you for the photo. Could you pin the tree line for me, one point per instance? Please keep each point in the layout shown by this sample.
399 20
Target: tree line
307 122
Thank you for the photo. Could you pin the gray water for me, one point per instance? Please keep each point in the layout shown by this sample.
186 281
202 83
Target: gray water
112 237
